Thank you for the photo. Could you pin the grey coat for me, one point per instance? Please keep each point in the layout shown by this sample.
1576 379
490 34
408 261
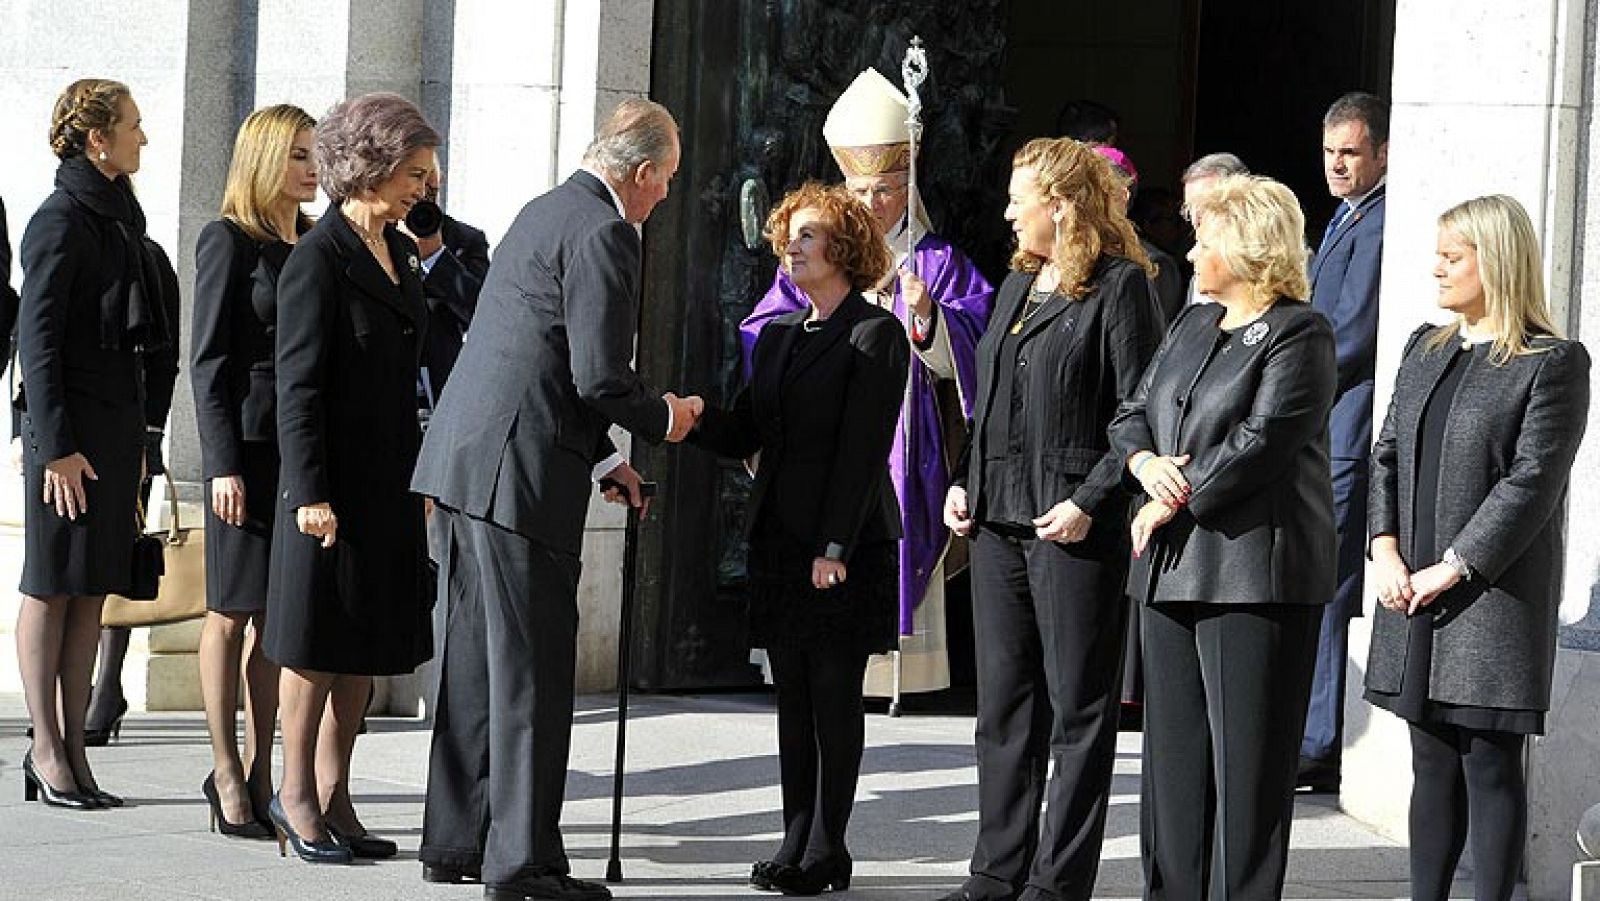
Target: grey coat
1512 434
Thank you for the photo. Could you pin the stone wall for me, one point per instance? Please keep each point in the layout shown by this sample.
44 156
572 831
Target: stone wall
516 86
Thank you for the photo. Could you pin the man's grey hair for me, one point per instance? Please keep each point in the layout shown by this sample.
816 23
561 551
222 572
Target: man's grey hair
636 131
1215 165
1358 106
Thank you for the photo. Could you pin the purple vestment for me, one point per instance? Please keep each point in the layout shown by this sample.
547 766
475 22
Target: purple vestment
917 461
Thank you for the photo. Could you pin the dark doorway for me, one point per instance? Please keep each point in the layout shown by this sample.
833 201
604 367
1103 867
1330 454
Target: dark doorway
751 83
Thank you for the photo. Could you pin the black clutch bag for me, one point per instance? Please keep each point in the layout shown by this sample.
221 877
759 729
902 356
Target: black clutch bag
149 565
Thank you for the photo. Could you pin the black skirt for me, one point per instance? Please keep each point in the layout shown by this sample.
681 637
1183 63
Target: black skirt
787 611
90 555
238 557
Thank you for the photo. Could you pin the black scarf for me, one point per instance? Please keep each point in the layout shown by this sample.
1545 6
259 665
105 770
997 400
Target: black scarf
131 310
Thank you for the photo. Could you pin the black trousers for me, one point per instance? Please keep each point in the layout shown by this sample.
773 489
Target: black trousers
1224 708
498 770
821 732
1048 624
1461 777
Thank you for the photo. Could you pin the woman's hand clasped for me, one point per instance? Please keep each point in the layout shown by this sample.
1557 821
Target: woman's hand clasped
1064 522
827 573
227 499
956 515
63 485
318 521
1153 515
1430 582
1391 577
1161 477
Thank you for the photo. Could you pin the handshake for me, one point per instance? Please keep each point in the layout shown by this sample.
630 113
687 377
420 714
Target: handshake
686 412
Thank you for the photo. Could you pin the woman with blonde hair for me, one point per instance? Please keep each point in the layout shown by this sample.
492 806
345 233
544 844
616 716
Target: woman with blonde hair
1227 436
1039 494
237 261
1468 564
824 396
90 328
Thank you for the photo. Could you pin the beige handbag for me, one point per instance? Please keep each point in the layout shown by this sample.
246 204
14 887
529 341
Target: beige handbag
182 591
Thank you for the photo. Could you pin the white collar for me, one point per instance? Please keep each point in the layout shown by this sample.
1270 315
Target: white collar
1356 202
615 198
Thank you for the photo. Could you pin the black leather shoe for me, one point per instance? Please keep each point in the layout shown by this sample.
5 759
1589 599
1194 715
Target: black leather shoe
831 875
327 851
365 845
1317 777
763 872
547 885
36 788
448 875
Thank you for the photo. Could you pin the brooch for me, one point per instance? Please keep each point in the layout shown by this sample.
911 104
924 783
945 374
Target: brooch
416 265
1254 334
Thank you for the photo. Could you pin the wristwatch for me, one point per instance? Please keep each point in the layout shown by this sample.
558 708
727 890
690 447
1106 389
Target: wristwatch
1458 564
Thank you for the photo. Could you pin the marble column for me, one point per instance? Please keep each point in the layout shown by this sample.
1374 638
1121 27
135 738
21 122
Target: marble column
1493 103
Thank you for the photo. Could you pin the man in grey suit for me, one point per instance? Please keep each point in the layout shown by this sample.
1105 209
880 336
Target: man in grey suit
516 441
1344 288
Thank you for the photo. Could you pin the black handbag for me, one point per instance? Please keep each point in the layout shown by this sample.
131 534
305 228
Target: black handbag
149 565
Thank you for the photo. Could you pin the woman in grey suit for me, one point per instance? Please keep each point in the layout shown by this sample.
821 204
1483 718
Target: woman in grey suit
1468 542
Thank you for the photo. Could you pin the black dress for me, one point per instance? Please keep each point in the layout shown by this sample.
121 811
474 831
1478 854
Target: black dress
91 315
235 310
348 343
1412 703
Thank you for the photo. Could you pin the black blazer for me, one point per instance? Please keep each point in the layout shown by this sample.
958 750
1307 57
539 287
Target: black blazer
231 354
824 422
1252 410
545 371
161 364
1512 434
347 351
73 254
9 299
1076 371
452 287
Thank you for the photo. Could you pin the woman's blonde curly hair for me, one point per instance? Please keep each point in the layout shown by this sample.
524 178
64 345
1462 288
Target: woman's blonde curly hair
1256 225
1092 219
855 240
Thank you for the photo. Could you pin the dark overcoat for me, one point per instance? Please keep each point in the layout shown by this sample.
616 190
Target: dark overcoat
1512 434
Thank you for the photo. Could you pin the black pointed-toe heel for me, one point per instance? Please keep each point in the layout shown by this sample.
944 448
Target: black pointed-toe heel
99 738
365 845
327 851
251 828
763 872
831 875
104 798
35 788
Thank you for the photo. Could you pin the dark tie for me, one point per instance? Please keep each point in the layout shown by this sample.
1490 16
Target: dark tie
1333 227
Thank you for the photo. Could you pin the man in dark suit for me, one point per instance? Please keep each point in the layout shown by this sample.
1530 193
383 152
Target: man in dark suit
519 435
455 259
1344 288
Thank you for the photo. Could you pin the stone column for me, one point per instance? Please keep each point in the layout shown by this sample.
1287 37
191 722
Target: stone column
1493 103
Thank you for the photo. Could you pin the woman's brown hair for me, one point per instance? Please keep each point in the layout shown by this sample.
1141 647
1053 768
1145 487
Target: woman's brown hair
88 104
855 241
1092 221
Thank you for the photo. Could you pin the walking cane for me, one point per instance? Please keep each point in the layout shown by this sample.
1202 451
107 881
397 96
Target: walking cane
630 547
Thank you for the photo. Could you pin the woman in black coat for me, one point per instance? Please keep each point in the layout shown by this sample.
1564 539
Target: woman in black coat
91 319
1469 477
237 262
348 588
824 394
1040 494
1228 436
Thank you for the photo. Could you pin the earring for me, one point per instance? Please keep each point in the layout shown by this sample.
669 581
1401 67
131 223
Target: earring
103 159
1058 234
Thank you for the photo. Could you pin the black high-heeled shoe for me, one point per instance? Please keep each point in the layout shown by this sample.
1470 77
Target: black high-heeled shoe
328 851
36 788
250 828
104 798
831 875
763 871
365 845
99 738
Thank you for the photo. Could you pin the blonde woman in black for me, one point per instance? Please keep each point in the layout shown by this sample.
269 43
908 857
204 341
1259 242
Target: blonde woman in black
237 262
90 320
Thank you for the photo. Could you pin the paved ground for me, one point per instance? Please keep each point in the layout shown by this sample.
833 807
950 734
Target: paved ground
702 804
